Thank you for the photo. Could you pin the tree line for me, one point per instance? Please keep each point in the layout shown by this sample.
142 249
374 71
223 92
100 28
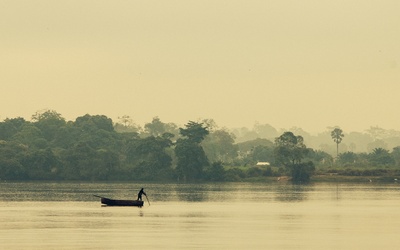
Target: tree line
355 141
94 148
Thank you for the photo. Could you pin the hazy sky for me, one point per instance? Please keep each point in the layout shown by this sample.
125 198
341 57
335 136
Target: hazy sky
309 64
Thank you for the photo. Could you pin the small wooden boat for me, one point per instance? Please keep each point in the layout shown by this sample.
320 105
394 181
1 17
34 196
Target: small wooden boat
112 202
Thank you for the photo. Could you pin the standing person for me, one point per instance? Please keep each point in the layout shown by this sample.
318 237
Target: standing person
139 195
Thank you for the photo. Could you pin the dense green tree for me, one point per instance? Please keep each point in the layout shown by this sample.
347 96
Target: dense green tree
234 174
247 146
363 160
90 123
262 153
219 146
215 172
108 164
319 157
11 157
381 157
90 148
191 158
102 139
11 169
67 136
42 165
347 159
49 122
396 155
194 132
157 128
337 136
302 172
96 131
80 163
9 127
290 151
246 150
30 136
150 158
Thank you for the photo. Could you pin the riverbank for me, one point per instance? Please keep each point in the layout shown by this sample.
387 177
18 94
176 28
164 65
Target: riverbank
358 179
331 174
329 179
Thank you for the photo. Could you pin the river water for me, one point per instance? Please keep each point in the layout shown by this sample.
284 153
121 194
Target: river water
200 216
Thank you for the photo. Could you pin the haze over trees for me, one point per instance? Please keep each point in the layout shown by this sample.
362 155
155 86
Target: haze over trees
94 148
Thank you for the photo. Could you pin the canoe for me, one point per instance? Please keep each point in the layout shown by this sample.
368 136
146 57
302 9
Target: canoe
112 202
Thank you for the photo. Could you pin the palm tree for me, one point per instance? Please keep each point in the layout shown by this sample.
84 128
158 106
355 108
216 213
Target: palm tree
337 136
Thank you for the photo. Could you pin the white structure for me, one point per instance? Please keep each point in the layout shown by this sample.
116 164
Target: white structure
262 163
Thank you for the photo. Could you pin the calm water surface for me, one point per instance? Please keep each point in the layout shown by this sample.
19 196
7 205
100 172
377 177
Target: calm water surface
200 216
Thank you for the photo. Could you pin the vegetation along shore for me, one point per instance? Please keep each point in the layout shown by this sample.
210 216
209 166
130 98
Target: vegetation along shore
94 148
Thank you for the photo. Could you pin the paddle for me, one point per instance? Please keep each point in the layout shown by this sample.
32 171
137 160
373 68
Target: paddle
147 200
97 196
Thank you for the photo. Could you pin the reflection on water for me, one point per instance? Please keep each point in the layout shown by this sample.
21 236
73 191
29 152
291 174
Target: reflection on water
158 192
292 193
202 216
192 193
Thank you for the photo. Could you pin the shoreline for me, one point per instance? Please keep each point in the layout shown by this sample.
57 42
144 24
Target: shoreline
330 179
357 179
320 178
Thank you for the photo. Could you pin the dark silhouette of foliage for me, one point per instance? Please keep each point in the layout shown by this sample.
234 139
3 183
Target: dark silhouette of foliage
191 158
337 136
90 148
215 172
194 132
348 159
10 127
290 151
150 159
302 172
49 122
381 157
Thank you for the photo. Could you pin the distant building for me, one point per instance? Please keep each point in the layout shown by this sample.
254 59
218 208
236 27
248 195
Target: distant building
262 163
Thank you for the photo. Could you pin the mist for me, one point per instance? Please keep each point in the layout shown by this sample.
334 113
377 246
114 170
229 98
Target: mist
305 64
